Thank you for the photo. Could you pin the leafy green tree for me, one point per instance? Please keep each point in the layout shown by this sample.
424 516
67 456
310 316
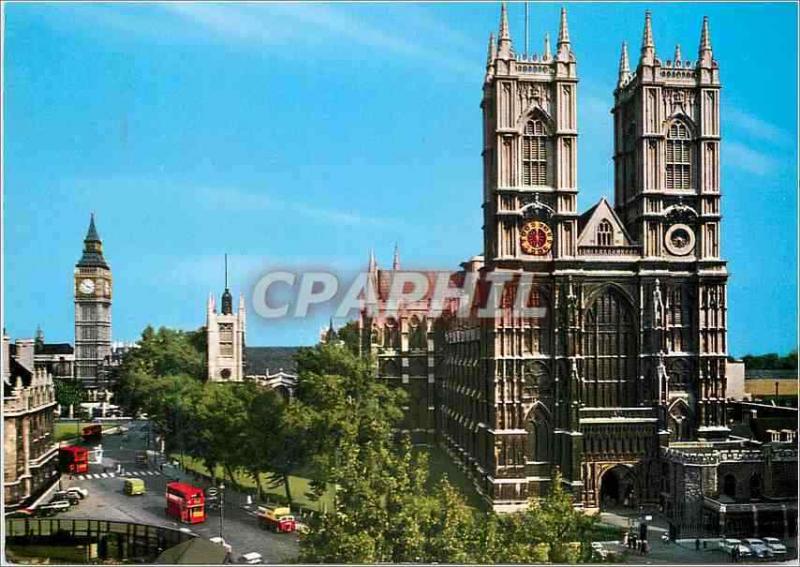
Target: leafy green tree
350 335
68 393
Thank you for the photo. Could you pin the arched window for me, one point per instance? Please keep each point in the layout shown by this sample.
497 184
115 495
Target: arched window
534 154
539 432
729 486
679 157
605 234
609 352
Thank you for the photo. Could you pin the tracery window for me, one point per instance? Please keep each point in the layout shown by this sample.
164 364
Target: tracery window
534 154
679 157
605 234
609 351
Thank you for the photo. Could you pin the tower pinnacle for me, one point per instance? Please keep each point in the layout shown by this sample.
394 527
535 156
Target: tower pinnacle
492 51
677 57
504 36
624 65
372 265
547 55
92 248
563 47
227 298
648 45
705 54
396 259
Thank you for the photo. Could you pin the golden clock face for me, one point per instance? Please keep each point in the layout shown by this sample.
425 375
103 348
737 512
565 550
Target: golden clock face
86 287
536 238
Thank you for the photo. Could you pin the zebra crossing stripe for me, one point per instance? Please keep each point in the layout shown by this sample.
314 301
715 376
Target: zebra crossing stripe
104 475
81 477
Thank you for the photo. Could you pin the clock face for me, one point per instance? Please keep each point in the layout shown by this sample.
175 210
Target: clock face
536 238
86 287
679 239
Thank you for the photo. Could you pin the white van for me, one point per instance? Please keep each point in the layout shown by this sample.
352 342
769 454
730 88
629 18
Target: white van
251 558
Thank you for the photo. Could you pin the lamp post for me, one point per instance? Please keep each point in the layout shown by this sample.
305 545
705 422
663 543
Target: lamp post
221 507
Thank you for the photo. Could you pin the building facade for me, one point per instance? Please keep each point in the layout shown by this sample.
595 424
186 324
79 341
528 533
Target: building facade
225 336
29 447
624 366
93 290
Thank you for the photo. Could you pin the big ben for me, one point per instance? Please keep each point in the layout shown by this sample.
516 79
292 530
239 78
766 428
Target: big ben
92 309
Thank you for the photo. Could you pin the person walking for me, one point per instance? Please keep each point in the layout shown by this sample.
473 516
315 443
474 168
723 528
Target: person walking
697 544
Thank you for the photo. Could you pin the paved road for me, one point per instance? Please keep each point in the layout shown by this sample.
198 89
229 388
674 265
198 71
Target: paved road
108 501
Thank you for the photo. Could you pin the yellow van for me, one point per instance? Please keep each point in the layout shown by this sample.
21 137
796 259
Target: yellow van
134 486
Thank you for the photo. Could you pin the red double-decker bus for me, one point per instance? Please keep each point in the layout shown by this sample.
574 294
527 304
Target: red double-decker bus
73 459
92 432
186 503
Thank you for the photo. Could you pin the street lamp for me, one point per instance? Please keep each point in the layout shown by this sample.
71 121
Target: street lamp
221 507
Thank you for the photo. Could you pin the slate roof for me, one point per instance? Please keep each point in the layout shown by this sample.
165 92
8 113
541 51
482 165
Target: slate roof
54 348
258 359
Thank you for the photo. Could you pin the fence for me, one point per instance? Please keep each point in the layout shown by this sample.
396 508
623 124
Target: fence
101 539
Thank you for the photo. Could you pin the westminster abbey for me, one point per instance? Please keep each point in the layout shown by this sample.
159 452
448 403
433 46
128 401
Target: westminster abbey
620 386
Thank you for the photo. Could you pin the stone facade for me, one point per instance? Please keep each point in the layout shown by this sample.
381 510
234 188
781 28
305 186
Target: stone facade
628 356
30 450
225 336
93 290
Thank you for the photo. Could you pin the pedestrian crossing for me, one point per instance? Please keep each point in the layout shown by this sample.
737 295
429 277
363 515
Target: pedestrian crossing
92 476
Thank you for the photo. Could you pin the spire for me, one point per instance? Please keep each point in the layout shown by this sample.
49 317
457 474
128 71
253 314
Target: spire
624 66
396 259
92 248
547 55
563 47
504 37
39 336
227 298
705 54
648 45
91 234
373 264
492 51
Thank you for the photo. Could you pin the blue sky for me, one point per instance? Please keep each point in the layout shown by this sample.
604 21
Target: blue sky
302 135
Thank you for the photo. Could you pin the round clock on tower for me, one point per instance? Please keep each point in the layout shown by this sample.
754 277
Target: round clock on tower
92 308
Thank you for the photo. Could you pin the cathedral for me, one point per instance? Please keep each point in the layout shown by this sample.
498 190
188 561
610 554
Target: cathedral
621 384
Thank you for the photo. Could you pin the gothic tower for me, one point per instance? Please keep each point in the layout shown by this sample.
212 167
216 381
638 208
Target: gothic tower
530 151
92 281
667 192
225 337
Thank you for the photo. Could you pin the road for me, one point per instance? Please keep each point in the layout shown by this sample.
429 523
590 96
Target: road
107 500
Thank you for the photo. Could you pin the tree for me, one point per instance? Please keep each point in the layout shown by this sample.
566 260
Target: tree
68 393
350 335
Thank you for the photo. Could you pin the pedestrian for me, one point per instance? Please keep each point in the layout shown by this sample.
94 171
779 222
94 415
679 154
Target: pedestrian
735 554
697 544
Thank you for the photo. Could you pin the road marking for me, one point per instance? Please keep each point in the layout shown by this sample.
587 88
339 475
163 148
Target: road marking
104 475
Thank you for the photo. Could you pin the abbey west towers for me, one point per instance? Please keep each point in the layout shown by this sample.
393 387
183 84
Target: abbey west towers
92 281
630 353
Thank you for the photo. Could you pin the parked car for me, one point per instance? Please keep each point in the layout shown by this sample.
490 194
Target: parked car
743 551
728 544
53 508
71 497
77 490
759 548
776 546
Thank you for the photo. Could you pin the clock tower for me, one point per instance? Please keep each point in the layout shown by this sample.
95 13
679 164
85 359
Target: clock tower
92 283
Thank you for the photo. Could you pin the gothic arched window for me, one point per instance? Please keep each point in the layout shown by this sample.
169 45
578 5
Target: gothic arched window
534 154
679 157
605 233
539 433
609 352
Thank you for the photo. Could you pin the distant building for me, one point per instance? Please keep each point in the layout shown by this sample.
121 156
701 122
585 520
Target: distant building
735 389
57 359
273 368
29 447
781 385
225 335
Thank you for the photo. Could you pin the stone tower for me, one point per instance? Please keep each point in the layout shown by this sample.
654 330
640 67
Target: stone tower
93 284
530 151
667 192
225 335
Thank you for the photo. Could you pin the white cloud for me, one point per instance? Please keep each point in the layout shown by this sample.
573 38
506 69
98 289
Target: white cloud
755 127
747 159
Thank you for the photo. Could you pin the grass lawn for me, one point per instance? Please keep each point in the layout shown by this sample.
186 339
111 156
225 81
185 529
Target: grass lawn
298 485
64 430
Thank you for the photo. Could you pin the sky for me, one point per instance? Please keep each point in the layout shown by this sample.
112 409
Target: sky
302 135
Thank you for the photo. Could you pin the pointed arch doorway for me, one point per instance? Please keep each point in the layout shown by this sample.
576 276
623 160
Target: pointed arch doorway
617 488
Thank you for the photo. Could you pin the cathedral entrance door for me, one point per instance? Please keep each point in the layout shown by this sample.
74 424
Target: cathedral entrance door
617 488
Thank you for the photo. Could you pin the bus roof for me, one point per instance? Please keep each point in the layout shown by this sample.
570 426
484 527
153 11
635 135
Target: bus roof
74 449
184 488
